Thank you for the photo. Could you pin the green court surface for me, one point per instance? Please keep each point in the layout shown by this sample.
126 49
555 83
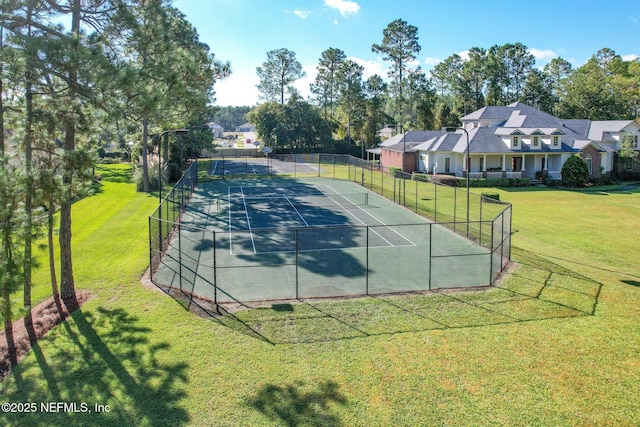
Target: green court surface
274 238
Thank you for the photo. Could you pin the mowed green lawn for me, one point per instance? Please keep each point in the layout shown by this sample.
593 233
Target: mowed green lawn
557 342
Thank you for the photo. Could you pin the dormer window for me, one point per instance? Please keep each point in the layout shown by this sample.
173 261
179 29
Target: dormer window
556 141
536 141
515 141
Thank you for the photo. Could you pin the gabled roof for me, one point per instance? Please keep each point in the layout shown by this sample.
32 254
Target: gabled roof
601 130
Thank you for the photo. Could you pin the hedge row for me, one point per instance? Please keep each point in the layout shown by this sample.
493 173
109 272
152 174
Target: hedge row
484 182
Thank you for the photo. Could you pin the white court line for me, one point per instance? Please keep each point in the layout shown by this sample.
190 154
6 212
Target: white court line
294 208
214 168
350 213
246 211
372 216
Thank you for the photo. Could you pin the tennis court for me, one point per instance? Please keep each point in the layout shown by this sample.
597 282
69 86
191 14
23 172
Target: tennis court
250 166
268 239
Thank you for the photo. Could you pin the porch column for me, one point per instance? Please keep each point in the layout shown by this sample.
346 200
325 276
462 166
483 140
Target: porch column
484 164
522 168
546 162
504 162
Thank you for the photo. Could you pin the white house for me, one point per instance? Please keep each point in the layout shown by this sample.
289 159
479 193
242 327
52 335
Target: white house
510 141
216 129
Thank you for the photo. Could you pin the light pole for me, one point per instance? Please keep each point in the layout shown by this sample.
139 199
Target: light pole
467 166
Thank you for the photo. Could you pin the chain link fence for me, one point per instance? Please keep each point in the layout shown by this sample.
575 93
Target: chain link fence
468 242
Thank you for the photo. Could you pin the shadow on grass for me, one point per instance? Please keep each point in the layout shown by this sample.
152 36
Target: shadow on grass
537 289
632 283
299 404
102 357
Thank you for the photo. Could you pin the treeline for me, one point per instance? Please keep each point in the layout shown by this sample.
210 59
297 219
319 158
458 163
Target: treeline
122 71
354 109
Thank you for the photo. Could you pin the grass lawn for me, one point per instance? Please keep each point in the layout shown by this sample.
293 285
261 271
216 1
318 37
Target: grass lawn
556 343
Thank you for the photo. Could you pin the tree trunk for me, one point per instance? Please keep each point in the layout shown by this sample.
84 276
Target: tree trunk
28 195
67 285
145 155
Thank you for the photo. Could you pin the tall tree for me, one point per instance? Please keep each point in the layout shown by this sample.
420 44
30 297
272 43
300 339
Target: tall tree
277 74
324 87
537 92
350 91
399 46
556 72
475 74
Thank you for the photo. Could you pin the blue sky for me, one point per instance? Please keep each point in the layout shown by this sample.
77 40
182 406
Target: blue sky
243 31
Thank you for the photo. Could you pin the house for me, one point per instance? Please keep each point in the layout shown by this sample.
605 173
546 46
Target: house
247 127
216 129
385 133
510 141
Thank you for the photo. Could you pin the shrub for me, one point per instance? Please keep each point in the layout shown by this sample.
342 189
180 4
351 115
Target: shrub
446 180
493 196
575 171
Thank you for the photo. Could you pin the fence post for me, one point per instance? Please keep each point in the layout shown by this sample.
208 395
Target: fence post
180 254
493 226
416 196
430 257
481 202
366 283
150 253
297 252
455 202
435 202
215 274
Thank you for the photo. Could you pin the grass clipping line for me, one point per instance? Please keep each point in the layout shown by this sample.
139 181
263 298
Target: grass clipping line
44 317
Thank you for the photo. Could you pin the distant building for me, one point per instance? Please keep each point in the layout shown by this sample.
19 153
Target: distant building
386 133
216 129
511 141
247 127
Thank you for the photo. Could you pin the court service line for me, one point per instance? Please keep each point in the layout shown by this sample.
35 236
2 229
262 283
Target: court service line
372 216
350 213
215 166
246 211
294 208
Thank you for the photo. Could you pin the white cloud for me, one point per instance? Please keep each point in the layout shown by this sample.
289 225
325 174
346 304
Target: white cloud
431 62
345 7
630 57
304 14
237 89
543 54
370 67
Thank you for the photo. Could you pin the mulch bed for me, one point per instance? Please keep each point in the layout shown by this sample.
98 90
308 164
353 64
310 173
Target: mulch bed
44 317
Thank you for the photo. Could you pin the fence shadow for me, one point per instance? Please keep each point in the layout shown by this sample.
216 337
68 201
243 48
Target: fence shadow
535 289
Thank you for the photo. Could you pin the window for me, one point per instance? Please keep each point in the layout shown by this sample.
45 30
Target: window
635 141
556 140
515 141
536 141
589 161
481 163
